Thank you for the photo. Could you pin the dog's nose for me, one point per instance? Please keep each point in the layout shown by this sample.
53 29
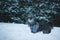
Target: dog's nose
33 32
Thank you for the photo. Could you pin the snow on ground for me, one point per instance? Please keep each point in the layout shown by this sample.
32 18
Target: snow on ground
11 31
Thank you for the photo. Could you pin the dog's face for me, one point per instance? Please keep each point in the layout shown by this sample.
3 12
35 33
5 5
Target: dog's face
34 28
33 25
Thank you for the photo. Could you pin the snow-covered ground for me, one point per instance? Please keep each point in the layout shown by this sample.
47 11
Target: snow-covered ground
11 31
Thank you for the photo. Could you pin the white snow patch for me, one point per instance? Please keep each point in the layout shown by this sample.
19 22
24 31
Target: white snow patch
11 31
